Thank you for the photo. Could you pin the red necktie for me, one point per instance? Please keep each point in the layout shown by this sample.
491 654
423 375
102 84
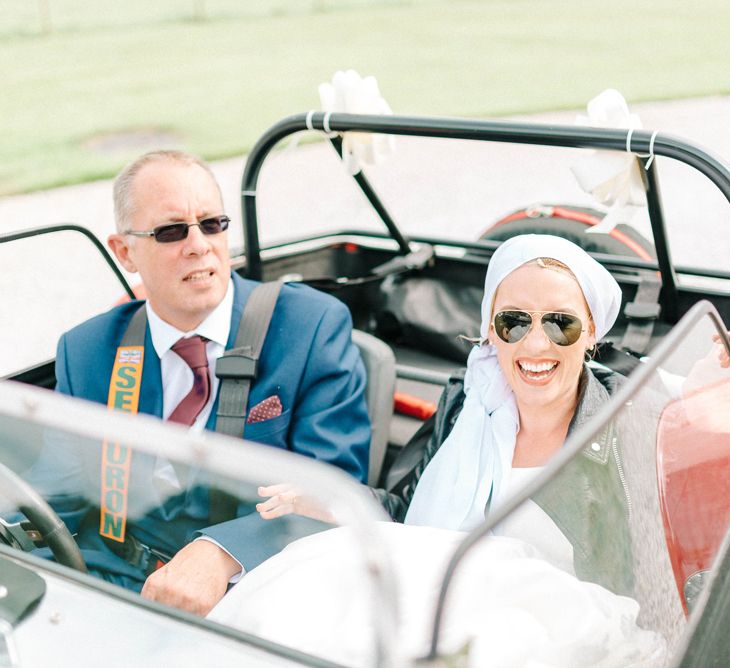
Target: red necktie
192 351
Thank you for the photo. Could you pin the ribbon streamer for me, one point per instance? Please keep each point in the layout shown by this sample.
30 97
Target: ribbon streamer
352 94
613 178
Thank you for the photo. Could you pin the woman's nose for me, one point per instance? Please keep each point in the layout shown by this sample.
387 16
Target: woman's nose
536 339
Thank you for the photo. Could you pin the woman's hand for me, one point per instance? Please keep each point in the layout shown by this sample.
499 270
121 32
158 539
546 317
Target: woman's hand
285 499
708 370
723 356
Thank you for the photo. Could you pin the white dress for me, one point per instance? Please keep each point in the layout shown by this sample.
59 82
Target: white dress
512 606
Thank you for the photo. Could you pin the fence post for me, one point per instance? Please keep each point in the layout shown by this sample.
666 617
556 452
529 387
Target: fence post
199 11
44 14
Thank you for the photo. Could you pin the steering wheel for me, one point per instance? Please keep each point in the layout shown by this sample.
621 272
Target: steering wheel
43 518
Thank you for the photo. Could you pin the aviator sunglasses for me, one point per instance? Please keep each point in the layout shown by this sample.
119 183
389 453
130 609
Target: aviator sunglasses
166 234
563 329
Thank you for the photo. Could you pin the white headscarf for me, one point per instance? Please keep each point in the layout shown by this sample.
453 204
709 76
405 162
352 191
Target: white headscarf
471 464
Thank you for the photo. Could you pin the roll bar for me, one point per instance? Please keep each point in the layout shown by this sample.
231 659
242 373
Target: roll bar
642 142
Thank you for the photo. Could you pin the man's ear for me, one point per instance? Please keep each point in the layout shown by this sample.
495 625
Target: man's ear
119 245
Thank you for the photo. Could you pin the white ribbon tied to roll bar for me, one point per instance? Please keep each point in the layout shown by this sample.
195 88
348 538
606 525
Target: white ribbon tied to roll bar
352 94
612 177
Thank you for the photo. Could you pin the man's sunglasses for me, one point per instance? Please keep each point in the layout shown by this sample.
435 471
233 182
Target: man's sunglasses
563 329
166 234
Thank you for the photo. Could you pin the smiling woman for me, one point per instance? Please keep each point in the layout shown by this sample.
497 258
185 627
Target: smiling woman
527 387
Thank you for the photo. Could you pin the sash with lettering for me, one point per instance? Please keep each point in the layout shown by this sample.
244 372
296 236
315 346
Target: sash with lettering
124 387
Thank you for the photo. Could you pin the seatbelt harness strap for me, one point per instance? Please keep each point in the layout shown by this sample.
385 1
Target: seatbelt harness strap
641 314
236 370
239 365
124 387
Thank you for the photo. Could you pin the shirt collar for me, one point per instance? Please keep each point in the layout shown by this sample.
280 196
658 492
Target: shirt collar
216 326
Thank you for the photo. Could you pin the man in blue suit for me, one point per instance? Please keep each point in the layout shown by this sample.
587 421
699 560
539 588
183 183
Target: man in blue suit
308 396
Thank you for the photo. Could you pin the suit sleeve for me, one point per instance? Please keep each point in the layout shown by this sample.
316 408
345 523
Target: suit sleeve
251 540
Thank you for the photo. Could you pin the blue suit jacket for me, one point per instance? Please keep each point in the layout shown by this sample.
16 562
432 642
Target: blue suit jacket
308 360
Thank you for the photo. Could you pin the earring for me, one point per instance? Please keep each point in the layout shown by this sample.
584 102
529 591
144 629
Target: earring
590 353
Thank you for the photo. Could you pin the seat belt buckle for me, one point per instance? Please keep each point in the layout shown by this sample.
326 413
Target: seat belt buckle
148 559
236 365
155 560
642 310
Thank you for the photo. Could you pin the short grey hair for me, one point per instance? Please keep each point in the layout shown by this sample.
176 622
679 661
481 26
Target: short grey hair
123 201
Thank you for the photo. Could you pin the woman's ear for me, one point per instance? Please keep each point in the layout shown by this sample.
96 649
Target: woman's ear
591 334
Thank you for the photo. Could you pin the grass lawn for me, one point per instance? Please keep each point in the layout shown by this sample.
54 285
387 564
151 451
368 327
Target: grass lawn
213 86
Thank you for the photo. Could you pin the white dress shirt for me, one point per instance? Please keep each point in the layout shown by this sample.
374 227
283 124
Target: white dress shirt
177 376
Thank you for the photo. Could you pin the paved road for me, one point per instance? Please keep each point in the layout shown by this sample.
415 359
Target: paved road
432 187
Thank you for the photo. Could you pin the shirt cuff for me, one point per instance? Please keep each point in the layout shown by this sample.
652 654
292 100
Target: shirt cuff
234 578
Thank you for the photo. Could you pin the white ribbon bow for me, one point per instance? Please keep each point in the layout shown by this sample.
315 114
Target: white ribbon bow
612 177
352 94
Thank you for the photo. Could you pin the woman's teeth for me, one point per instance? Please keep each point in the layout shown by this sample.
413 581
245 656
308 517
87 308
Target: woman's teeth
537 370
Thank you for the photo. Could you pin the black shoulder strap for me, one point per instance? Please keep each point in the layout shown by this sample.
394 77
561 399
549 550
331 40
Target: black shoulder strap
239 365
236 369
136 329
641 314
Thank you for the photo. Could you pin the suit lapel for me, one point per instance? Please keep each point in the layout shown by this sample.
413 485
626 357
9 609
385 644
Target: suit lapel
150 396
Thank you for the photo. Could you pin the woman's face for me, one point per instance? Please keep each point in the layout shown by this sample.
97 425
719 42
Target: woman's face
539 371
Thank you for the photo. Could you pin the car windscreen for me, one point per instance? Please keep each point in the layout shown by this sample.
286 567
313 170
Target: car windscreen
606 558
133 491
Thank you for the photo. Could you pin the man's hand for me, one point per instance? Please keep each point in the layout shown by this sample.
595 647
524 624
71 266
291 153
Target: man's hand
195 579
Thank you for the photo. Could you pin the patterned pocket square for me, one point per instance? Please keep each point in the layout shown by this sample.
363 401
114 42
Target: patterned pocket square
267 409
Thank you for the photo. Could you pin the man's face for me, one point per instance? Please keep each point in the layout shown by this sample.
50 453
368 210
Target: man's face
184 280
